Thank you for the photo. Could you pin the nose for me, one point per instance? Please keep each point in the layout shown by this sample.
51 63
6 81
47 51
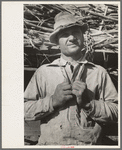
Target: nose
72 38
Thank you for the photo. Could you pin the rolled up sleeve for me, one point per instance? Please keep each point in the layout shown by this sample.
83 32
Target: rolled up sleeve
38 103
106 108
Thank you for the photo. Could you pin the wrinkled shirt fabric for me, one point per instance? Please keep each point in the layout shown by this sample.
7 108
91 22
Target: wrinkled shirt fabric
71 125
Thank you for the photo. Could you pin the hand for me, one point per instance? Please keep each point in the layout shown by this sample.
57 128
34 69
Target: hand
78 88
62 94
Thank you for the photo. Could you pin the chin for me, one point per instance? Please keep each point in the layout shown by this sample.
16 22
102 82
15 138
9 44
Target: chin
73 53
74 50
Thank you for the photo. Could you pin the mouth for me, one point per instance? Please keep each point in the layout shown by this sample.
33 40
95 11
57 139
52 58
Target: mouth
72 44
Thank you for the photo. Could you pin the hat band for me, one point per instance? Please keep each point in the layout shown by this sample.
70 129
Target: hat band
68 25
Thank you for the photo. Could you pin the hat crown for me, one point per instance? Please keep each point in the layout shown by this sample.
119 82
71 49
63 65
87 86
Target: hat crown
64 18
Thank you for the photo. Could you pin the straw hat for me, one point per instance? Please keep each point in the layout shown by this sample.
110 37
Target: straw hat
65 20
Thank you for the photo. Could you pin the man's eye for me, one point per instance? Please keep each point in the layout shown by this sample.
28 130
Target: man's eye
76 32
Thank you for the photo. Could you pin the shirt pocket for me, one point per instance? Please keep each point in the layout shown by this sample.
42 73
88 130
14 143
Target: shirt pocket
90 134
86 122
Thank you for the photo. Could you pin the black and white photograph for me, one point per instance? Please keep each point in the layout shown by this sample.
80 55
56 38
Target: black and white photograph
71 56
70 72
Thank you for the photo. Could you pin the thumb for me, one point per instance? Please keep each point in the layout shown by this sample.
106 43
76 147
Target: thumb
66 80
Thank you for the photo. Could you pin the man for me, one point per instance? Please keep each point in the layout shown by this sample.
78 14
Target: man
72 97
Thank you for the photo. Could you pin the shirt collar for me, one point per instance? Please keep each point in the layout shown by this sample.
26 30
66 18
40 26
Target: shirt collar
64 62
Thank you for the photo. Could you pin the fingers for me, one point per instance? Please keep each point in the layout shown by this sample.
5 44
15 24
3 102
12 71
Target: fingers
68 97
76 92
65 83
67 87
68 92
78 85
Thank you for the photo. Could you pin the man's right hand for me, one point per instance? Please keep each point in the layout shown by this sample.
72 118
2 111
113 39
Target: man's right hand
62 94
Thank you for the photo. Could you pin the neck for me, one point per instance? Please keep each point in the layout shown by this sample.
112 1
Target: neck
73 58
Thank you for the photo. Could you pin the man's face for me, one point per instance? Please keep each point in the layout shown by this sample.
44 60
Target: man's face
71 41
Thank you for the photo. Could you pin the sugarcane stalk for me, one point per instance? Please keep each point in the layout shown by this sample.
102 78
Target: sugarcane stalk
65 9
33 7
112 31
40 8
112 6
37 42
32 21
26 41
31 13
105 42
107 50
49 44
35 32
83 6
51 55
46 58
27 44
87 17
44 23
57 9
38 27
113 11
30 69
112 26
105 57
113 45
92 5
97 10
114 16
44 33
102 16
26 36
103 20
102 45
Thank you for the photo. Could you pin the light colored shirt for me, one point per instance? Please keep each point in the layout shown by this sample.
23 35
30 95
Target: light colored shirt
67 126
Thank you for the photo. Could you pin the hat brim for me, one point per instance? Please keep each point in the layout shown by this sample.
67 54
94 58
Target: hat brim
53 38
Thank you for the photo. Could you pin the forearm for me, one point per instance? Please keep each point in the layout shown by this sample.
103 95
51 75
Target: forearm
102 111
36 110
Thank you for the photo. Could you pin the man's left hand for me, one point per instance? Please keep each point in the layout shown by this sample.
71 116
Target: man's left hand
78 87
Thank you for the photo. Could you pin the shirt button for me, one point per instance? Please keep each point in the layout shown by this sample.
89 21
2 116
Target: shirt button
60 126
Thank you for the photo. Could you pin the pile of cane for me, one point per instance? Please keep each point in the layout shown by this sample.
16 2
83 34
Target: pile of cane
102 20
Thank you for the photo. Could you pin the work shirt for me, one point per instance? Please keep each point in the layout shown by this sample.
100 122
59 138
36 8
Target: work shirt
70 125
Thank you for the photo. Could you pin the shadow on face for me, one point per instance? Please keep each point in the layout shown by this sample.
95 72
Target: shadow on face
70 41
